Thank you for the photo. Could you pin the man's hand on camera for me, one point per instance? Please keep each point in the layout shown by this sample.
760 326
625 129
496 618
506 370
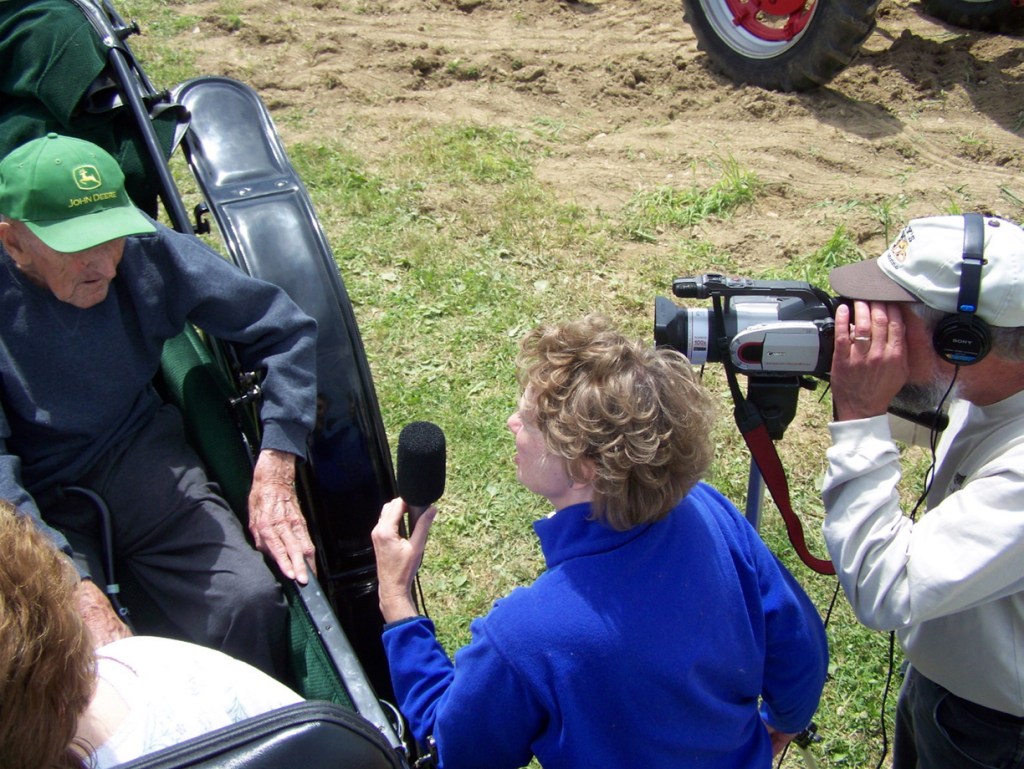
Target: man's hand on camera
398 559
869 363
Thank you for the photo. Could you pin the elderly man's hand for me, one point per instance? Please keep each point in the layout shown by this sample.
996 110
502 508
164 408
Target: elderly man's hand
275 520
98 615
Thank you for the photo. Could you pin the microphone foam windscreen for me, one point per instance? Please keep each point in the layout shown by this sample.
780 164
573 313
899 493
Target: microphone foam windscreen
421 463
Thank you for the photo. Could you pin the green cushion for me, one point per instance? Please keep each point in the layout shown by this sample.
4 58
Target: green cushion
200 389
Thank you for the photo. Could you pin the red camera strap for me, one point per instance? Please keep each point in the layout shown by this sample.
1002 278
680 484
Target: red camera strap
762 449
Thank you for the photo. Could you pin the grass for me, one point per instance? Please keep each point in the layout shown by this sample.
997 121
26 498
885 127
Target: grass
814 268
443 291
653 211
451 249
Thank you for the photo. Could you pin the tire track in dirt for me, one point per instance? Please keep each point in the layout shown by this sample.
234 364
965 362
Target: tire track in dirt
927 118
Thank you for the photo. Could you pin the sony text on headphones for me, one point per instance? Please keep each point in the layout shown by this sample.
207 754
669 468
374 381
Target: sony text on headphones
963 338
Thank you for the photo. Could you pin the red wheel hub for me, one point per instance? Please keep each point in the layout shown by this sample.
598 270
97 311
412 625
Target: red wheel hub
773 20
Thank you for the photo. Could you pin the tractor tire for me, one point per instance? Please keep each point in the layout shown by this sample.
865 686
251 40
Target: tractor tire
801 48
983 15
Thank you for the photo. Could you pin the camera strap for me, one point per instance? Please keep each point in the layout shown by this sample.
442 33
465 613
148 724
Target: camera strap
766 456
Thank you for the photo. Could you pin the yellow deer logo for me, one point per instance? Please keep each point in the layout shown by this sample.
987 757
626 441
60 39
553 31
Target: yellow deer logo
87 178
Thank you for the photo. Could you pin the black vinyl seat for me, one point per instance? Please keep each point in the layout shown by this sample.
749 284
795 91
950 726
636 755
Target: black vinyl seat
313 735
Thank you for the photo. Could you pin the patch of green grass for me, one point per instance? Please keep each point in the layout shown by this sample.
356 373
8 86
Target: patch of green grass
228 15
814 268
158 20
471 153
649 212
548 128
890 213
1014 197
158 46
461 70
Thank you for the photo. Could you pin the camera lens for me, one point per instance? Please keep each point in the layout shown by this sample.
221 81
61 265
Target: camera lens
685 330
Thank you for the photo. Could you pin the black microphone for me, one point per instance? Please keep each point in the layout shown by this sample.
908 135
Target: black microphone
933 420
421 467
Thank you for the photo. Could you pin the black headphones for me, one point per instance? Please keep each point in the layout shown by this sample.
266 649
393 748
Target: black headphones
963 338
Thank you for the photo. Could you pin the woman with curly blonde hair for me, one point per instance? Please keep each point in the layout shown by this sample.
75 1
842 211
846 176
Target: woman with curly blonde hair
66 705
662 633
633 420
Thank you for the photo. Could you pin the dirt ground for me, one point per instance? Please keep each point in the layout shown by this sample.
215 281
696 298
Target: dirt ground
928 119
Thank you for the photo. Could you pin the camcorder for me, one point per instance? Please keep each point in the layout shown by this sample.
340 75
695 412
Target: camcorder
764 328
778 333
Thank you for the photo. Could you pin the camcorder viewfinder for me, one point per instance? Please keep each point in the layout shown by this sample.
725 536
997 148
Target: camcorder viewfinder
763 327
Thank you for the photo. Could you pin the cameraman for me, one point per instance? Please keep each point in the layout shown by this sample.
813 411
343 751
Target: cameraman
952 583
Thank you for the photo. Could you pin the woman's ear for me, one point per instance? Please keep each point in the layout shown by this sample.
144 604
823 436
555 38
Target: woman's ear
583 474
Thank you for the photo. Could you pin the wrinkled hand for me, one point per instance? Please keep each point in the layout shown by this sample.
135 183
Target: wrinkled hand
398 559
275 520
869 362
98 615
779 740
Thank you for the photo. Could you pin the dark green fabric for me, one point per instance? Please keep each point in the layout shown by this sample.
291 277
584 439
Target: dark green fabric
194 383
315 675
50 56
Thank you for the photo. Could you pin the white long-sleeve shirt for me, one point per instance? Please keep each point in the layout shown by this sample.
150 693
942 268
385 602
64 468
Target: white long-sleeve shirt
951 583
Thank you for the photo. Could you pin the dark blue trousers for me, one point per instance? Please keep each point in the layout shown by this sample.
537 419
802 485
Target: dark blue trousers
181 555
935 729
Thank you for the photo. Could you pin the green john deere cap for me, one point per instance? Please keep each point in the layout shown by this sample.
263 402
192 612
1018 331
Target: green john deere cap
69 192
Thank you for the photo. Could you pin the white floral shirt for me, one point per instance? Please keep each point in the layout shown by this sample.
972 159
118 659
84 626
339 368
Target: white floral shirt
176 691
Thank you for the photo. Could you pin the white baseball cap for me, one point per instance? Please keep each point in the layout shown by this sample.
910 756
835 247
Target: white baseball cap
923 265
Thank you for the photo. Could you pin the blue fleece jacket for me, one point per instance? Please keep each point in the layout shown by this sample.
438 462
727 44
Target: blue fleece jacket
74 382
653 647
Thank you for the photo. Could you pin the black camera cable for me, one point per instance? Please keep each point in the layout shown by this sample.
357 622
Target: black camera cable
936 423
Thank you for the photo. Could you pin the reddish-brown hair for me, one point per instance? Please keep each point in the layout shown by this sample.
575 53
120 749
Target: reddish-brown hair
47 663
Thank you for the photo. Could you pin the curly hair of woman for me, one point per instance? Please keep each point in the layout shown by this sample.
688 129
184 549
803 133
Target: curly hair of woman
47 661
637 414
